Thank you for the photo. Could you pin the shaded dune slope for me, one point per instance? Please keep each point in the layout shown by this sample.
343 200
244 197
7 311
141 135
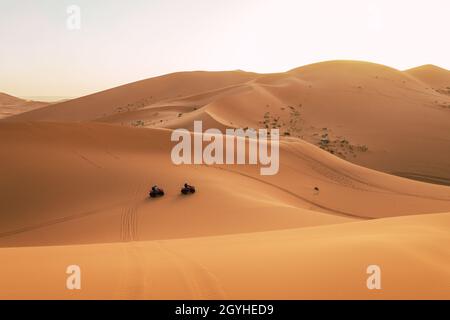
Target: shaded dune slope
72 183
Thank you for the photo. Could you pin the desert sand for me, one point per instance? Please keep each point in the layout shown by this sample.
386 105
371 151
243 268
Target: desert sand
10 105
372 115
76 175
327 262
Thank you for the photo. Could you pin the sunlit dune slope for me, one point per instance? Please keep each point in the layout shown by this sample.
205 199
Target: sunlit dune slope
436 77
324 262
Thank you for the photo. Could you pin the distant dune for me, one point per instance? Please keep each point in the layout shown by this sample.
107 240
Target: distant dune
368 114
363 179
137 95
437 78
10 105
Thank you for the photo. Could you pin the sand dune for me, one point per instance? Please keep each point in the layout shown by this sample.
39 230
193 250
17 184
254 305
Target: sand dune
87 175
10 105
327 262
134 96
75 178
437 78
369 114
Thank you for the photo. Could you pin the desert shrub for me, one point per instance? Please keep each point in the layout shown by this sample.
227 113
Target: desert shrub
363 148
138 123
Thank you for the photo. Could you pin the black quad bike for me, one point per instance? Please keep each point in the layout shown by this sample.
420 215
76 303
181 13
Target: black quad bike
187 189
156 192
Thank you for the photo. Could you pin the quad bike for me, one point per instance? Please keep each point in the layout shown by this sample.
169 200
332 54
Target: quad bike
187 189
156 192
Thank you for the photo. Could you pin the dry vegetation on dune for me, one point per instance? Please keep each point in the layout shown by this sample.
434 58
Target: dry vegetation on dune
324 138
75 178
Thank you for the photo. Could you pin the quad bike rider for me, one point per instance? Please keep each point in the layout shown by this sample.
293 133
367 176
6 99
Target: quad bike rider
156 192
187 189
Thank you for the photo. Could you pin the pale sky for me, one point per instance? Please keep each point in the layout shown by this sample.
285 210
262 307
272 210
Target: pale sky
124 41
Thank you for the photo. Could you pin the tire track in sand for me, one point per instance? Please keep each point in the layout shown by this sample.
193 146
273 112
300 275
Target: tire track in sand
129 217
133 282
